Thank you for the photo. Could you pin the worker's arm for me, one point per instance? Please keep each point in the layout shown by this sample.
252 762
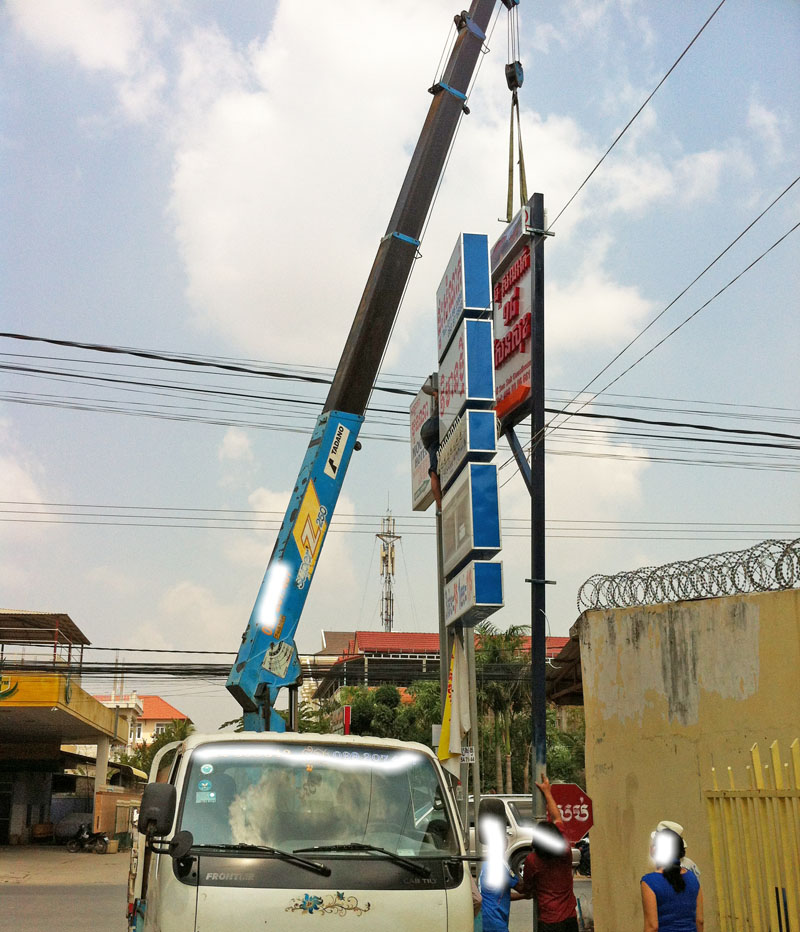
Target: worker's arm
649 908
552 808
698 916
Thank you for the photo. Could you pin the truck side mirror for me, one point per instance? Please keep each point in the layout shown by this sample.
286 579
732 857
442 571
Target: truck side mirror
490 808
157 809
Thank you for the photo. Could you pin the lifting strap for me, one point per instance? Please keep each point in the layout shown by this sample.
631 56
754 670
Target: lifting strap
523 185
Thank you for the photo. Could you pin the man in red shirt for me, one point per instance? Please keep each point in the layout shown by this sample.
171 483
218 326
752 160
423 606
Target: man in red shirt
547 874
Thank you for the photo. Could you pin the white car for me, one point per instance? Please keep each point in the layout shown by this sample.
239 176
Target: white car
519 829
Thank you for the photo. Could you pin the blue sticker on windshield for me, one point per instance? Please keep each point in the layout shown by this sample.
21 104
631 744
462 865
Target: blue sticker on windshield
204 785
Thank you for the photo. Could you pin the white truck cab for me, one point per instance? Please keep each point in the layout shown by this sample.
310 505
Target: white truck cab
260 831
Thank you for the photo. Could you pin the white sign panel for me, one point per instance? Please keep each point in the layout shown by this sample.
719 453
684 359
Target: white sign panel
470 437
470 517
465 289
511 236
474 594
421 494
466 376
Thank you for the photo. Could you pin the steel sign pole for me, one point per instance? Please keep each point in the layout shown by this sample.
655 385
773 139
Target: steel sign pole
538 617
474 731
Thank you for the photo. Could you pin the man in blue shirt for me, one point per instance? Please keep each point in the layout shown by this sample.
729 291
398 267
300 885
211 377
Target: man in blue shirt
496 883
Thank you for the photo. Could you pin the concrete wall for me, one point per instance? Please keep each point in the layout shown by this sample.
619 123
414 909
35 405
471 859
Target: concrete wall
670 691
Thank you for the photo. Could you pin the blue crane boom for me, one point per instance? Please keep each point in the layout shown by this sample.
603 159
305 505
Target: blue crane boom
267 658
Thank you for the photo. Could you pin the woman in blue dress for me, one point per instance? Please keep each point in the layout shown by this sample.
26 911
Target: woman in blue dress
672 900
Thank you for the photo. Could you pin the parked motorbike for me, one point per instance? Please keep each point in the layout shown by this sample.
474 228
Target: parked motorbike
84 840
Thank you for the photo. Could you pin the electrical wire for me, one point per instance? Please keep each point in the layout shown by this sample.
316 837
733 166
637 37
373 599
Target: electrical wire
680 295
630 122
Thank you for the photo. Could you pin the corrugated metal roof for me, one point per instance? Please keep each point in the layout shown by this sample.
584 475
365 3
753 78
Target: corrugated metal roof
39 628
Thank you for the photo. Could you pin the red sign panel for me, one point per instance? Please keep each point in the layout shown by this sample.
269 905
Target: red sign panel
575 808
512 336
340 721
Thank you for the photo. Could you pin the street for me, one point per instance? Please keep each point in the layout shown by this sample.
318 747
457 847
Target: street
65 907
45 887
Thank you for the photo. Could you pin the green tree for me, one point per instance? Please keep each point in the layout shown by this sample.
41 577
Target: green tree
502 692
383 713
142 756
566 761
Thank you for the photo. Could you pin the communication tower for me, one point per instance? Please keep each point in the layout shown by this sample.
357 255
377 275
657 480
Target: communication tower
387 538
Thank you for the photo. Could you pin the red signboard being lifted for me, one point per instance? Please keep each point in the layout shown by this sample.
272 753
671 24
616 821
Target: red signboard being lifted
512 283
575 808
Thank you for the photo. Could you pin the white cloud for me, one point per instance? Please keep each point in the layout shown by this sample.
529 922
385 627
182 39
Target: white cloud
235 447
108 36
579 489
768 127
112 579
592 309
192 614
258 151
545 35
20 480
99 34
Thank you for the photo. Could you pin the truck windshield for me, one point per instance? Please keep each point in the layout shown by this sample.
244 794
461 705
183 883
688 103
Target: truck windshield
294 796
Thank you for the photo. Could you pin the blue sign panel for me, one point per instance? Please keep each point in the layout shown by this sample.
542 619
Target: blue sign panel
267 654
465 289
471 517
466 374
474 594
473 437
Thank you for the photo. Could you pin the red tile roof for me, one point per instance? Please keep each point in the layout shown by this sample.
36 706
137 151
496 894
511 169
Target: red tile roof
407 642
413 642
156 708
552 646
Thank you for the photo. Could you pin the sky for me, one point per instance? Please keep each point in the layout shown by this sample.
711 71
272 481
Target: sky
212 180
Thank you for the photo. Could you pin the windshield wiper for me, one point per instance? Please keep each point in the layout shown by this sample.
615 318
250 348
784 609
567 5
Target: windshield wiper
278 853
415 868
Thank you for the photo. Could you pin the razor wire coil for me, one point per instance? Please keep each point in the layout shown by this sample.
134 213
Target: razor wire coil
765 567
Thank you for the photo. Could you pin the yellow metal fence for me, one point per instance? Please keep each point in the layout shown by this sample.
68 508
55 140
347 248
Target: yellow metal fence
755 836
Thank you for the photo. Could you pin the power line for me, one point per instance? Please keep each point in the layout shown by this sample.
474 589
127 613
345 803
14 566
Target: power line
283 400
187 360
679 296
679 326
630 122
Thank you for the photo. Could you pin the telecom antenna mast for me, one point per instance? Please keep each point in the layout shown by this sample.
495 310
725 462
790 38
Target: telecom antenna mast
387 537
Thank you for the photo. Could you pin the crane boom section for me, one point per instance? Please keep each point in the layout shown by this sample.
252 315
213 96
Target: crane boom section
372 326
267 658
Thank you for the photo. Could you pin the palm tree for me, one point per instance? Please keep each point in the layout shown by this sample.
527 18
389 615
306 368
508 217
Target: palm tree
500 667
